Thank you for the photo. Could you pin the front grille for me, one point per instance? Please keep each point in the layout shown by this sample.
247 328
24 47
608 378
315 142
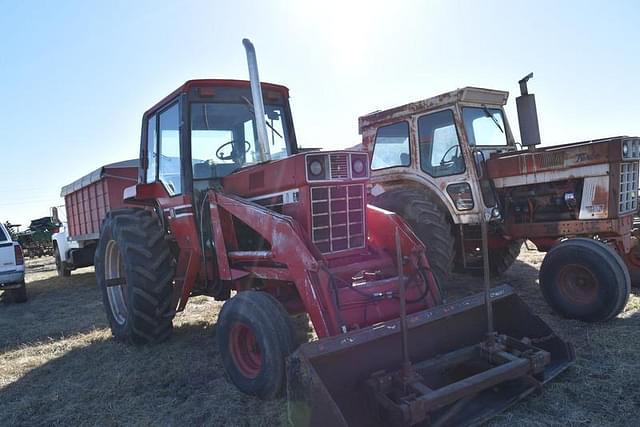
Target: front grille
338 217
552 160
339 166
628 187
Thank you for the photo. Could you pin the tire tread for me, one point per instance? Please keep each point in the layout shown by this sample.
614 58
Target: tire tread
149 270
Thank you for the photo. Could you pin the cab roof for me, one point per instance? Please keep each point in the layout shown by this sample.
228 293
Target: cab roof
242 84
465 94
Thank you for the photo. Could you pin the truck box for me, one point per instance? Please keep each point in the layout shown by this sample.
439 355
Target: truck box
88 199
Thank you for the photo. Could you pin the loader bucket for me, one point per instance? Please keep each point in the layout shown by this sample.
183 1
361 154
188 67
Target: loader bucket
355 379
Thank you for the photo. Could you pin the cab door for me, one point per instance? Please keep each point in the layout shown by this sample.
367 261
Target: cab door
443 159
166 158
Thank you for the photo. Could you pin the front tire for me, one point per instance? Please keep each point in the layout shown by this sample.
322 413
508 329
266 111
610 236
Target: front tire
60 268
254 337
134 270
584 279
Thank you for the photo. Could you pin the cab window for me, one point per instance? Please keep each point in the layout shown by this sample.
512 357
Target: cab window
391 147
169 139
484 126
152 149
224 137
440 153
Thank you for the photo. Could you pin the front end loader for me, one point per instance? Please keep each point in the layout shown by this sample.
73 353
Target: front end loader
457 375
230 208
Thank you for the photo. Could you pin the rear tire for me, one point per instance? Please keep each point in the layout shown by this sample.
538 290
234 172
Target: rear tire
254 337
134 270
500 260
429 221
60 268
584 279
18 295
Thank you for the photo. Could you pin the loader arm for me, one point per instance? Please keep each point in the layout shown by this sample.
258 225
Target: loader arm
333 303
280 231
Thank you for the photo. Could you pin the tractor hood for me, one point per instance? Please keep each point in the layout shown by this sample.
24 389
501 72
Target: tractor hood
317 167
551 163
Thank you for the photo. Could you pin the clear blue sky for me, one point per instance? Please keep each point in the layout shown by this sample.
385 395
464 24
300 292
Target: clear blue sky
76 76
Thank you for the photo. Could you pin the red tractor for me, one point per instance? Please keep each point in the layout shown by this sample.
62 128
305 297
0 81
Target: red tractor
448 163
229 205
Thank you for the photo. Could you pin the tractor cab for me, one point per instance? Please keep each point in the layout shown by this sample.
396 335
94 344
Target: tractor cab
438 142
206 131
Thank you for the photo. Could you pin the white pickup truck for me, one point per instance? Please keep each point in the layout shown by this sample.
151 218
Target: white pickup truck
11 268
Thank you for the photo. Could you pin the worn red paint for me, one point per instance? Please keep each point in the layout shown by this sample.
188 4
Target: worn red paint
88 200
535 189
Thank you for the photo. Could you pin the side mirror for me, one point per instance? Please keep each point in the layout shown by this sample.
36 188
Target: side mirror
54 215
478 158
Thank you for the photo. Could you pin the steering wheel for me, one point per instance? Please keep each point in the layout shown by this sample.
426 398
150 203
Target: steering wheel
233 155
442 161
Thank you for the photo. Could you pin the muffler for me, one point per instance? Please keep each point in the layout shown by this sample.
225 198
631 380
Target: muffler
458 374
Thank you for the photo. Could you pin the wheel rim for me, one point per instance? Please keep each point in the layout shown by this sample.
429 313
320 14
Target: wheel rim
116 294
578 284
245 350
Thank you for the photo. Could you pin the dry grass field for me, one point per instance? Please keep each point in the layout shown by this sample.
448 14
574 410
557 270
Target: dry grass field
60 366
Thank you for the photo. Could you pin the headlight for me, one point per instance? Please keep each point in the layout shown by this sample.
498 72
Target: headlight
631 149
315 168
461 196
337 166
358 166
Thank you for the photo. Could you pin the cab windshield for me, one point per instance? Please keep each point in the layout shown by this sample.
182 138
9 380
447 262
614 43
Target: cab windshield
484 126
224 135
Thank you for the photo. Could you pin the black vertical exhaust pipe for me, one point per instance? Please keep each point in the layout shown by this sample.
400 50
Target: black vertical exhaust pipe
527 115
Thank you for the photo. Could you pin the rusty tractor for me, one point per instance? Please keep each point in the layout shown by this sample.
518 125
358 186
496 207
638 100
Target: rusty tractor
448 163
228 205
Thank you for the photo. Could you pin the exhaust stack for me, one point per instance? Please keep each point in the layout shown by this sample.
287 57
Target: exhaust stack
527 115
258 105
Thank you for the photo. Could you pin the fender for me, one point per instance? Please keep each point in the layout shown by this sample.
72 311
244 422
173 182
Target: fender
61 241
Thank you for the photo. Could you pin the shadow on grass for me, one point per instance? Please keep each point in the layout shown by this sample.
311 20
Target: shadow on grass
104 382
599 389
57 307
